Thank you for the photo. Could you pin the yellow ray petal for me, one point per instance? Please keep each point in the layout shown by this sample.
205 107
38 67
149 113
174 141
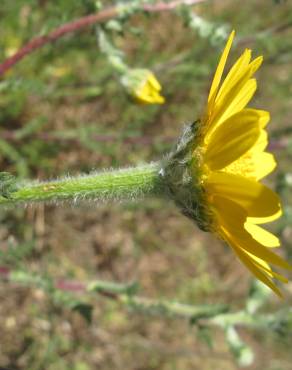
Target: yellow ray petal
232 139
236 100
256 271
152 80
257 199
253 165
230 218
263 265
250 245
229 214
266 267
242 74
236 72
248 262
265 118
261 235
262 142
263 164
255 65
267 219
220 69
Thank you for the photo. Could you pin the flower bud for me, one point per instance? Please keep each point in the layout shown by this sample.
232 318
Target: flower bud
143 86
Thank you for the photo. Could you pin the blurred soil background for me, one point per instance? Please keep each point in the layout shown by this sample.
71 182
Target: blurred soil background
63 111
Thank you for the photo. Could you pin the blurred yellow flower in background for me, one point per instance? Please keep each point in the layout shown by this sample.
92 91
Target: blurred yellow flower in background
143 86
12 44
59 71
232 160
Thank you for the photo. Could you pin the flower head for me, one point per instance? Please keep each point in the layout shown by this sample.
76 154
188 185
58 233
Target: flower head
143 86
229 160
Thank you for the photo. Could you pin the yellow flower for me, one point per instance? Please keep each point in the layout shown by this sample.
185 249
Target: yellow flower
12 45
231 160
143 86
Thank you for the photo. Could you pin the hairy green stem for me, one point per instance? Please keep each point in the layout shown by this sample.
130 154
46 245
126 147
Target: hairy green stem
113 185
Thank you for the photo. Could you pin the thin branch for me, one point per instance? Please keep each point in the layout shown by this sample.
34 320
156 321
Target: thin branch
78 24
40 41
125 294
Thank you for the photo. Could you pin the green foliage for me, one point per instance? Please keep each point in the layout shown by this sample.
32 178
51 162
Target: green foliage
242 353
8 185
14 254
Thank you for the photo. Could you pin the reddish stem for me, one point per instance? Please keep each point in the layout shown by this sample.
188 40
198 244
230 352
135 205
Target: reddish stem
4 272
80 23
40 41
64 285
70 286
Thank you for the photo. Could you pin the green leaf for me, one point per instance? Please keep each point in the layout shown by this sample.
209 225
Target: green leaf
8 185
241 352
85 310
204 334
